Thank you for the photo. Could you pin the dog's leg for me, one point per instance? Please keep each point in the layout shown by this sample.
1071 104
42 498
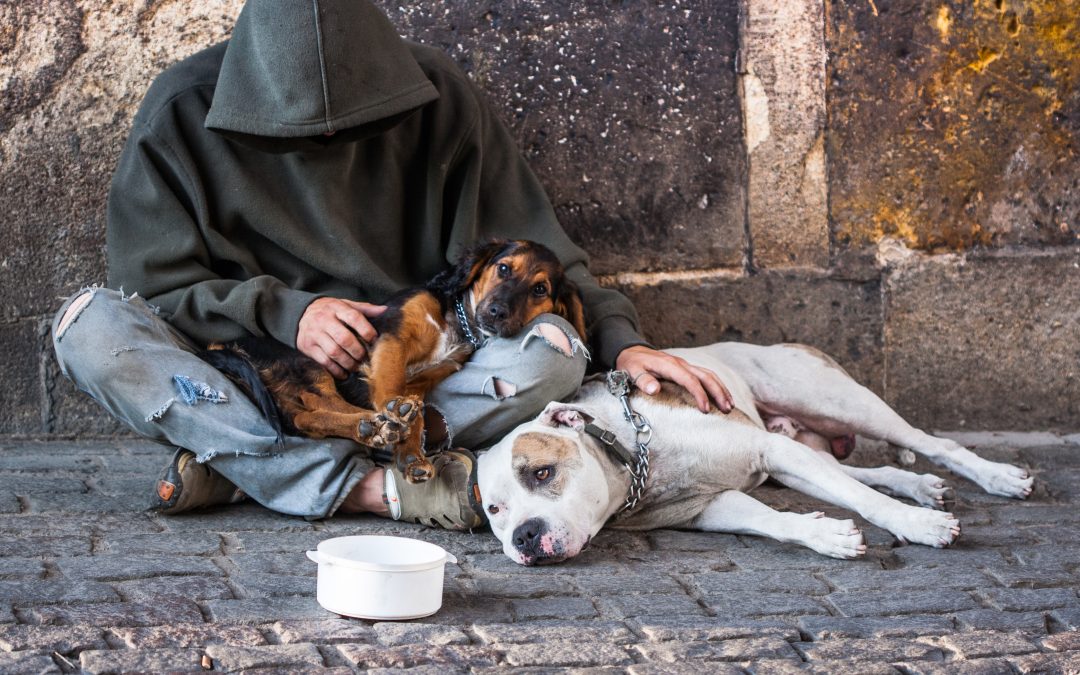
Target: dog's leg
926 489
736 512
806 470
810 387
409 455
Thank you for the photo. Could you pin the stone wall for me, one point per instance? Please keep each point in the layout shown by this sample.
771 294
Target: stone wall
894 182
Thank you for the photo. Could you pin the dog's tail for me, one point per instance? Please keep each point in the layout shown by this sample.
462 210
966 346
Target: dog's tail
236 367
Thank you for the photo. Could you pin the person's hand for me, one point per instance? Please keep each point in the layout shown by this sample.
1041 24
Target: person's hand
335 333
645 365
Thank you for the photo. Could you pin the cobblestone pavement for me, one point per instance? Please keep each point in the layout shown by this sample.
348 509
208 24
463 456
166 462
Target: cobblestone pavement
88 581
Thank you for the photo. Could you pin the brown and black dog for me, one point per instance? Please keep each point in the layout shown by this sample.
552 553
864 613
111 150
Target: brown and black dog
425 335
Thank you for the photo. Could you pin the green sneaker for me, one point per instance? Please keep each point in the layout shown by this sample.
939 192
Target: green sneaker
450 500
186 484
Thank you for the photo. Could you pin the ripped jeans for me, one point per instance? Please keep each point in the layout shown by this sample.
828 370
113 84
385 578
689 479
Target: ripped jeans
145 372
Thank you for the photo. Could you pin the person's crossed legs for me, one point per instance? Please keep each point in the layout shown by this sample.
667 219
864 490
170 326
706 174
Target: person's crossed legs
145 372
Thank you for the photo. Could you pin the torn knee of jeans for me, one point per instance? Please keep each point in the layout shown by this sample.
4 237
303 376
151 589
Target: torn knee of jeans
193 391
74 310
498 389
438 434
556 338
160 412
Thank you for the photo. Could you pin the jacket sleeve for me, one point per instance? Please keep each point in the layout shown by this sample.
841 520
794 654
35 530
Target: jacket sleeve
497 195
156 247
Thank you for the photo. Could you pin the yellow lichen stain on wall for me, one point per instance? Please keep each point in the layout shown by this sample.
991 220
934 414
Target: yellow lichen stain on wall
929 166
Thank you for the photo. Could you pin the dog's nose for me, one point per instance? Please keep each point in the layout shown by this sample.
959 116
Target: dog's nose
498 311
527 536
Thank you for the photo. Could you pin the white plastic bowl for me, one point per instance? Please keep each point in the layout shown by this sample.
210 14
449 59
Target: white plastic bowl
376 577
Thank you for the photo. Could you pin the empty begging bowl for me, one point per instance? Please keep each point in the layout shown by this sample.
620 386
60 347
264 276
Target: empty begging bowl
378 577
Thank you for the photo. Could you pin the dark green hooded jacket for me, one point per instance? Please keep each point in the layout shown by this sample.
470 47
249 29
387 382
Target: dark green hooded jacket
231 209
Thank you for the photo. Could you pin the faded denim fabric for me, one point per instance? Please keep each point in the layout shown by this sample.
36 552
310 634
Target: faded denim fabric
142 370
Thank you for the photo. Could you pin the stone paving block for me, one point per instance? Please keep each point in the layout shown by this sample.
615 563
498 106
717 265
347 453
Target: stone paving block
554 607
164 611
48 460
925 556
751 603
630 584
678 562
9 503
611 632
324 631
273 542
619 607
715 668
205 544
21 568
886 602
411 656
679 540
39 525
1067 663
1062 642
7 614
25 484
1068 617
828 627
790 667
787 581
1034 576
737 649
254 585
1024 599
284 657
1054 554
521 586
1026 513
59 590
859 578
460 610
992 619
266 610
78 503
978 667
186 635
142 661
61 639
290 564
586 564
51 547
120 566
235 518
191 587
987 536
870 649
774 555
394 634
566 654
981 644
28 662
696 629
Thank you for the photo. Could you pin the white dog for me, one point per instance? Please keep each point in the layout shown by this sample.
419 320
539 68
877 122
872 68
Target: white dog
552 483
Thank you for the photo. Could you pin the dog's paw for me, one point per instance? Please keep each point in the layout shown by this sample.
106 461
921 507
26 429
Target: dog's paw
1005 480
919 525
377 432
403 410
416 469
928 490
832 537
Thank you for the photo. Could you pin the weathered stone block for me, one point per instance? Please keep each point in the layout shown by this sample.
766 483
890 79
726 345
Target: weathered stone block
165 610
231 658
553 608
181 635
629 115
987 342
987 643
842 318
827 627
142 661
954 124
567 654
21 394
554 631
885 603
870 649
741 649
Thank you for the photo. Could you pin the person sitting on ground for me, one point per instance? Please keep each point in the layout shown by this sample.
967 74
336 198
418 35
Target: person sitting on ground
282 184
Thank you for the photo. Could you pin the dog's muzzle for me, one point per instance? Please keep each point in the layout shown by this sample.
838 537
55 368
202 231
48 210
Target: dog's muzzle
533 541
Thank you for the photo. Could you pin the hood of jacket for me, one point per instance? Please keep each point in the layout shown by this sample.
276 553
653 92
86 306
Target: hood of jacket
306 68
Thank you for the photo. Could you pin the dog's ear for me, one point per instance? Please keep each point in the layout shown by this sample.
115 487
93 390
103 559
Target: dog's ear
558 414
456 280
568 305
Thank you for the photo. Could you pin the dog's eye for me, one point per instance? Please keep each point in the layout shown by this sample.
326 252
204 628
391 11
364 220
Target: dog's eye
493 509
540 290
542 474
504 270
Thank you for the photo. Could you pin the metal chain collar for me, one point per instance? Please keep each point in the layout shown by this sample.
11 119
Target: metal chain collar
619 383
463 319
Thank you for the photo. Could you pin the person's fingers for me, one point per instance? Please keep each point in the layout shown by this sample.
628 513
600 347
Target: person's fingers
716 388
336 354
647 383
324 360
353 317
347 340
681 375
